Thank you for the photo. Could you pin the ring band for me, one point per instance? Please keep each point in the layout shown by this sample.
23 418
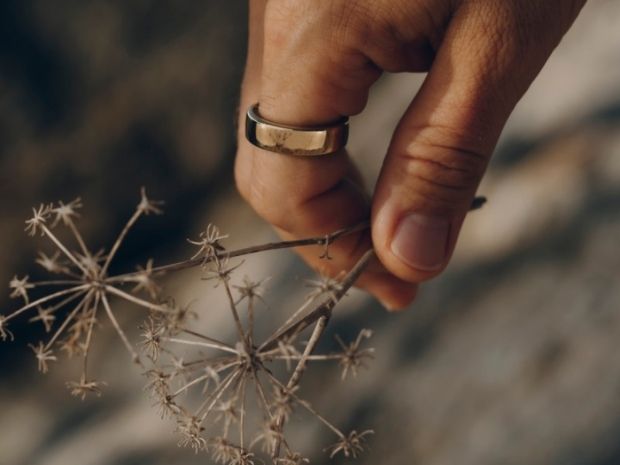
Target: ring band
295 140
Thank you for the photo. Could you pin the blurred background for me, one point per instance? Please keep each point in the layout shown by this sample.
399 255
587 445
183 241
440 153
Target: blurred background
511 357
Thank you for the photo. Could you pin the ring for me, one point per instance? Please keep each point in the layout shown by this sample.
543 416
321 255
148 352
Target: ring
295 140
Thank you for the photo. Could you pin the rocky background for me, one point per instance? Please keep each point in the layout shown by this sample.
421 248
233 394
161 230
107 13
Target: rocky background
511 357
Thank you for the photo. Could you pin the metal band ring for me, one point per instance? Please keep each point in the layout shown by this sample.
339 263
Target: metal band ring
295 140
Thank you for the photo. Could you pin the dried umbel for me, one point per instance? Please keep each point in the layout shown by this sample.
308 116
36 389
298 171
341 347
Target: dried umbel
231 379
240 405
242 392
79 292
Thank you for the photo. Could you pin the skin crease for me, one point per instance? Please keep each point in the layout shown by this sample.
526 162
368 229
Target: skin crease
311 62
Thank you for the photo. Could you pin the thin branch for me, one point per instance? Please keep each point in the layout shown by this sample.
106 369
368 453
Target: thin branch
47 298
196 381
221 390
91 325
136 300
69 318
323 309
208 339
78 237
63 249
119 240
209 345
235 314
306 405
119 330
320 240
300 368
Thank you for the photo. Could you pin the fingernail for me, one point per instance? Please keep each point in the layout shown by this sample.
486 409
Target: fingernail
422 241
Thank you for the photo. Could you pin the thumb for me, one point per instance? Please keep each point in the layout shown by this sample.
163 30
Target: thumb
441 148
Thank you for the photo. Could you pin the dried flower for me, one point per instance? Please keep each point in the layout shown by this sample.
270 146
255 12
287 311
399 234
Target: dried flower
45 316
83 387
145 282
20 288
43 355
5 333
191 430
324 286
65 213
224 375
151 338
37 221
208 242
242 457
52 264
353 357
148 206
351 445
222 450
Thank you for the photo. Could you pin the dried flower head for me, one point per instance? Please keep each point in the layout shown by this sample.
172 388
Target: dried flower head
324 286
80 293
222 450
209 242
39 217
223 380
45 316
148 206
5 333
152 332
52 264
145 281
19 288
191 433
83 387
43 355
351 445
66 213
242 367
353 356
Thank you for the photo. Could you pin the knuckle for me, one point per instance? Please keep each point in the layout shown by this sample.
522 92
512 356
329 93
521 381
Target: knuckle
442 166
351 23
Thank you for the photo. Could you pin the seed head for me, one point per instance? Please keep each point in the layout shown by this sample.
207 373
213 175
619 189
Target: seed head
191 430
20 288
52 264
208 242
43 356
148 206
351 445
83 387
45 316
353 357
65 213
38 219
4 331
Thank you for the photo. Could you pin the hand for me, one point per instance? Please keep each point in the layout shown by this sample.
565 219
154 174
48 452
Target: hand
314 61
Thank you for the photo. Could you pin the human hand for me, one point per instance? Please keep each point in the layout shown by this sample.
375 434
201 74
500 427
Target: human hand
311 62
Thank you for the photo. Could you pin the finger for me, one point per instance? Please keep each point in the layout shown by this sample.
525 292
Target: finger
300 196
443 143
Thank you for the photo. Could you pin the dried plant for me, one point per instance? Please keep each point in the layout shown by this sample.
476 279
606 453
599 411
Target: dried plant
234 398
71 303
229 377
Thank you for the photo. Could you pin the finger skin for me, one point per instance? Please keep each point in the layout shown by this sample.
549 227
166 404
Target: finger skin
314 62
303 197
441 148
